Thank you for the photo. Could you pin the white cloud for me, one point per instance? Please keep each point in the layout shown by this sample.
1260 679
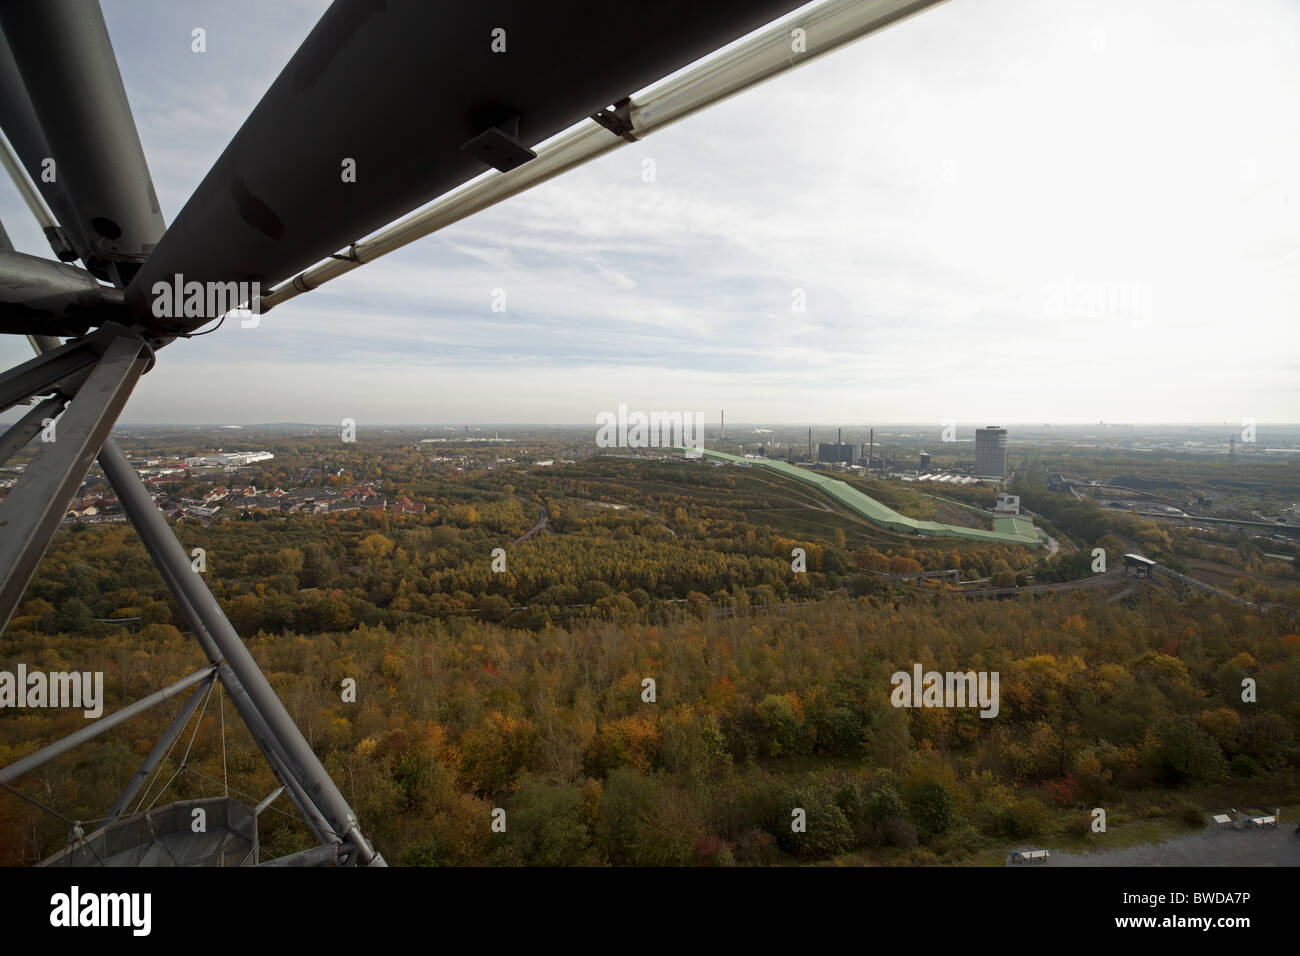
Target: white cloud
927 188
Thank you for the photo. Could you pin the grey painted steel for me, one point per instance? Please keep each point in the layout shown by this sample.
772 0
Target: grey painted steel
27 427
31 513
70 73
23 130
302 762
43 343
275 758
270 799
400 87
32 761
829 26
164 836
42 375
139 506
137 503
41 296
13 166
215 635
6 244
315 856
159 750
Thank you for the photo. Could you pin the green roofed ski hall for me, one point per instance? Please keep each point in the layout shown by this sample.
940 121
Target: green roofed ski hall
1005 530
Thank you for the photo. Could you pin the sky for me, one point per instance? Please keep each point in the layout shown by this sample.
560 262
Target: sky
996 211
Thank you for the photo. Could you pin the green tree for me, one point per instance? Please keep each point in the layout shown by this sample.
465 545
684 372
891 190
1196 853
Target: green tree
1182 753
544 823
73 616
932 807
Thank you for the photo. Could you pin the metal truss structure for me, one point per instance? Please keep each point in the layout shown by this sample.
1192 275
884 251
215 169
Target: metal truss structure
364 85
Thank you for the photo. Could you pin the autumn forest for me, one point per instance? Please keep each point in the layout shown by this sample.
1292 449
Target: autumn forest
619 656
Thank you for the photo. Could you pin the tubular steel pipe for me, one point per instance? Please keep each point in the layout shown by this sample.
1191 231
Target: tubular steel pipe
322 805
9 160
158 752
138 504
32 761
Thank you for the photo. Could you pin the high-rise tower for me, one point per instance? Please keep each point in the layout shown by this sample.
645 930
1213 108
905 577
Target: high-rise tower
991 452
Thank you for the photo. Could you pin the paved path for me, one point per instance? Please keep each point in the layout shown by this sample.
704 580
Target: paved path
1211 847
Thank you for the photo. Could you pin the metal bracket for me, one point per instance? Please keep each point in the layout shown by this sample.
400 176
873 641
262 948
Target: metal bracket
56 369
618 119
499 146
61 244
31 512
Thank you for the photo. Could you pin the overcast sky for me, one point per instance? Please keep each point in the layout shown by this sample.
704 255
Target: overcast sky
999 210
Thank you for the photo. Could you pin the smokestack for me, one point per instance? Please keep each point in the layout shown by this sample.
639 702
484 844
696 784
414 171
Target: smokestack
724 424
839 437
872 453
810 444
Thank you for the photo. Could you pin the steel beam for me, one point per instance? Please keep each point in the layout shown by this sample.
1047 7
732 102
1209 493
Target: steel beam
41 296
300 760
27 427
42 375
267 801
275 757
159 750
274 202
64 55
160 541
32 761
29 152
827 27
316 856
31 513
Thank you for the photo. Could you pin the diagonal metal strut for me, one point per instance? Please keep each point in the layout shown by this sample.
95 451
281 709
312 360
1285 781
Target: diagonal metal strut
297 765
27 427
159 750
43 374
31 513
32 761
145 517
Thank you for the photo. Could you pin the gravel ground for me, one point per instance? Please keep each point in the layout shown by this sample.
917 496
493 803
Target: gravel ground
1211 847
